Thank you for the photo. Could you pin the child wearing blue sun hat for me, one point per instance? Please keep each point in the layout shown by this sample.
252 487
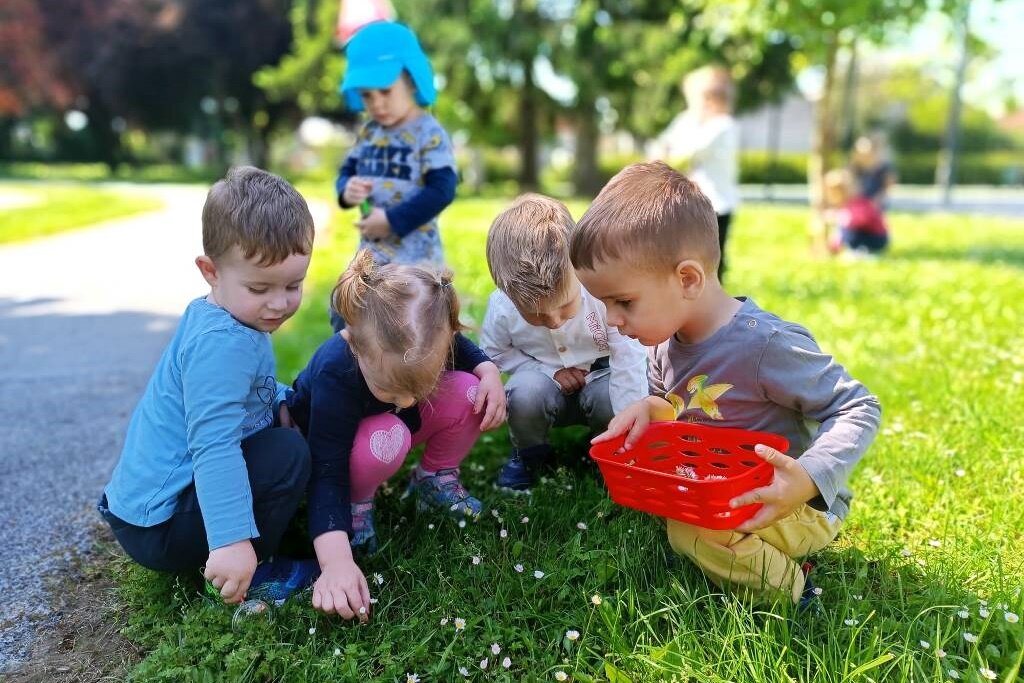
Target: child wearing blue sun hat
401 171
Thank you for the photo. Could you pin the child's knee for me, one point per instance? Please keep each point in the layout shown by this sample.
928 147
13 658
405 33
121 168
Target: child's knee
687 539
383 438
531 394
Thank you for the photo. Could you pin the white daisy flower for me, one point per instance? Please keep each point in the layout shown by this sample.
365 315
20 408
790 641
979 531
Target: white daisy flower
817 590
960 472
495 649
935 543
525 520
581 526
412 678
373 601
460 623
444 621
851 622
430 526
362 610
599 514
906 552
857 597
494 512
983 612
476 559
462 524
572 634
940 653
337 652
595 599
312 630
1011 617
987 673
483 663
954 674
561 676
378 578
538 574
506 663
963 614
464 671
970 637
518 568
503 533
925 644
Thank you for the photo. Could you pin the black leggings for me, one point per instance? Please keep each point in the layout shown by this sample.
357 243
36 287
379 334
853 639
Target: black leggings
278 464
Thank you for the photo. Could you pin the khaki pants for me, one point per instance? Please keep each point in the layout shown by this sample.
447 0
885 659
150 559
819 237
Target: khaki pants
761 564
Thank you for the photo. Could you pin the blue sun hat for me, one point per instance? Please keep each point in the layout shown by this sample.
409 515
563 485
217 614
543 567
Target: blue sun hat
376 56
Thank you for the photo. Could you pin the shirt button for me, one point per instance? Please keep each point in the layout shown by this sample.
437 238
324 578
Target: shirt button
561 349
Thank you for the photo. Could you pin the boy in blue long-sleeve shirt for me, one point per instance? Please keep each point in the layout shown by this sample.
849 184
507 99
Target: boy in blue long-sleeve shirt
210 475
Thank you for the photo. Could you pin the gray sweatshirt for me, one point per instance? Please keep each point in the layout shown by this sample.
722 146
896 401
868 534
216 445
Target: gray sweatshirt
763 373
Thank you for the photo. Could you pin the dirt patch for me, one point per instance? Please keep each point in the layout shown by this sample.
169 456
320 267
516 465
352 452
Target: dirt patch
84 643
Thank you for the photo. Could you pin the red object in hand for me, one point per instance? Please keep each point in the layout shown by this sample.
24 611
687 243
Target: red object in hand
688 472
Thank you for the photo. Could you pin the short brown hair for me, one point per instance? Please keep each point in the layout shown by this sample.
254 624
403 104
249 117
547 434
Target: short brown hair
528 249
259 212
651 216
408 313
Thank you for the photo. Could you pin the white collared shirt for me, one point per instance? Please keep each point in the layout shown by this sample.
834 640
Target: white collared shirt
514 344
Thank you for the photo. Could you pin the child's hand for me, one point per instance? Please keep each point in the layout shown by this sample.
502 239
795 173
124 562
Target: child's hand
342 590
790 488
375 226
230 569
571 380
634 419
356 190
490 394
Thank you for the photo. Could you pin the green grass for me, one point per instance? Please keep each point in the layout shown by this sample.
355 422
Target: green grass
937 524
51 209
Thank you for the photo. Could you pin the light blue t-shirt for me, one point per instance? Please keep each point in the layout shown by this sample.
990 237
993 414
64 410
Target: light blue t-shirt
213 387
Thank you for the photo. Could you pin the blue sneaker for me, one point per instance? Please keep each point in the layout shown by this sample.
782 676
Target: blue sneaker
443 491
277 580
519 473
809 602
364 533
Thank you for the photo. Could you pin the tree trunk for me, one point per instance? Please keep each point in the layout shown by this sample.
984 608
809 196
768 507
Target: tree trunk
945 170
528 134
586 175
822 144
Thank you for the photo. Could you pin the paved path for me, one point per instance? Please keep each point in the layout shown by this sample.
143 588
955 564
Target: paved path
967 199
84 317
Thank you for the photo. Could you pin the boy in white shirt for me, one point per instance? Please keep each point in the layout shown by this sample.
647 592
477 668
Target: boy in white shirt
542 327
706 139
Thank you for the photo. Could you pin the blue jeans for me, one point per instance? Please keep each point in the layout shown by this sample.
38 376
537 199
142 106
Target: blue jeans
278 462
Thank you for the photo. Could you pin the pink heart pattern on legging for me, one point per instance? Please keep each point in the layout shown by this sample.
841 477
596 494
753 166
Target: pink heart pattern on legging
386 444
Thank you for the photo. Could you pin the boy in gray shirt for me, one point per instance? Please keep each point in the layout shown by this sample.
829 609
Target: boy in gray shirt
648 249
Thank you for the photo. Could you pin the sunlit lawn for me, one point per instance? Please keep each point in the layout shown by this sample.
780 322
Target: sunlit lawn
29 211
913 589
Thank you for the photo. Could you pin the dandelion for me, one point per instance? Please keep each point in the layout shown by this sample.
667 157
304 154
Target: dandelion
987 673
572 634
503 533
312 630
960 472
495 649
412 678
476 559
851 622
983 613
464 671
970 637
337 652
483 663
954 674
538 574
1011 617
940 653
925 644
462 524
525 520
460 624
506 663
561 676
595 599
378 578
963 614
518 568
935 543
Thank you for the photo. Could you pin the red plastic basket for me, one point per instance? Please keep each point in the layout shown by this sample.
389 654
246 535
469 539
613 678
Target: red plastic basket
688 472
